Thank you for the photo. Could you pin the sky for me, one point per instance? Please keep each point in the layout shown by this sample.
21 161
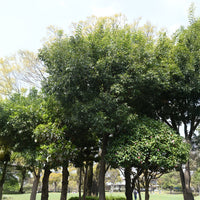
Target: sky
23 23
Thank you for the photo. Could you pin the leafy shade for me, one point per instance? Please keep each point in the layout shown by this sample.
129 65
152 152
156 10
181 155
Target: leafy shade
151 145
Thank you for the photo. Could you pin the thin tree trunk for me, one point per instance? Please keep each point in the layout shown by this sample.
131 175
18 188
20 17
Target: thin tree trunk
80 177
138 189
89 179
65 175
45 183
23 171
185 181
55 186
185 175
5 164
136 178
128 186
102 172
85 181
35 184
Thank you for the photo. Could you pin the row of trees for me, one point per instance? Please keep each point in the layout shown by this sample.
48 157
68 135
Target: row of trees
115 87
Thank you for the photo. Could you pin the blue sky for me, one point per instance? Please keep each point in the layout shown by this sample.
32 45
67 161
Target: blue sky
24 22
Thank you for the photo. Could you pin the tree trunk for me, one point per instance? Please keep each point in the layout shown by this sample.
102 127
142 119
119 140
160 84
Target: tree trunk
102 172
35 185
85 181
128 187
95 188
185 181
89 179
147 181
23 171
80 177
45 183
5 164
65 175
95 182
138 189
55 186
146 192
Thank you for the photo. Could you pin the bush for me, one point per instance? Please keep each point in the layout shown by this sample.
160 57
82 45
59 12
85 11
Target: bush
11 185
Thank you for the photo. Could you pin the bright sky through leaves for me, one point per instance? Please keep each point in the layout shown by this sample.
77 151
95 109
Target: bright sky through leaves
24 22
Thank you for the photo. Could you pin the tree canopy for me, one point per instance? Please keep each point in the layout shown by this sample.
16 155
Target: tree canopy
150 145
107 91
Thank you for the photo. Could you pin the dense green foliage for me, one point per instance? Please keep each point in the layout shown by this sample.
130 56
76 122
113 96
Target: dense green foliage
110 88
170 181
150 145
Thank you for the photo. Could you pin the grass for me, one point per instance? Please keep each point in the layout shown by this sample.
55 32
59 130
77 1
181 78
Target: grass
56 196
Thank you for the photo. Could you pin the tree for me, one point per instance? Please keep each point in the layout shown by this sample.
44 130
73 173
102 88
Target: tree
196 180
7 80
55 152
20 72
54 179
5 144
25 115
73 179
113 176
151 147
4 161
22 169
11 183
170 181
29 114
30 71
195 160
167 87
86 70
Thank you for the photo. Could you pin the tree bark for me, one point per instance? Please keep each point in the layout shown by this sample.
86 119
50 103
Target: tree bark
146 192
55 186
102 172
85 181
89 179
80 177
65 175
185 181
128 187
147 181
95 188
3 177
45 183
95 182
35 184
138 188
185 175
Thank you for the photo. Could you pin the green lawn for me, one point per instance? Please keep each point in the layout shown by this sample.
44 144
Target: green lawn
56 196
52 196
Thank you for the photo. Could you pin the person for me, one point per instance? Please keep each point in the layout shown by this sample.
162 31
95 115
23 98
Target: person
135 194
